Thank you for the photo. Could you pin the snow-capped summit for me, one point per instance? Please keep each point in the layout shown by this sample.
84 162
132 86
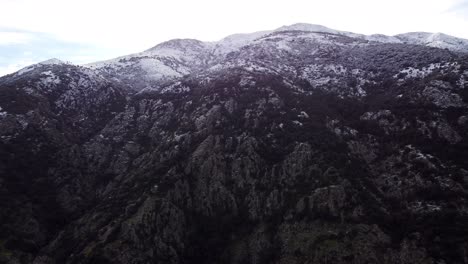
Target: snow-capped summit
52 61
236 41
179 57
178 47
307 27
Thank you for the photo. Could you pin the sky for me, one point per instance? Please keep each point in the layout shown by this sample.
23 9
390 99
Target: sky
92 30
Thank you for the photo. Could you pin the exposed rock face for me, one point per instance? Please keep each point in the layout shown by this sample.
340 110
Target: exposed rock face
299 147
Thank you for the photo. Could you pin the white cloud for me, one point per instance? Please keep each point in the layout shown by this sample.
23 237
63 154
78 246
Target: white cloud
10 38
145 22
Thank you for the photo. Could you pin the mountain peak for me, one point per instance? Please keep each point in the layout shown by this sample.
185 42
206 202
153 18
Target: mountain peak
178 44
307 27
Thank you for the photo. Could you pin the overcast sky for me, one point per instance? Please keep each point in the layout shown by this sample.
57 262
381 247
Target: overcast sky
90 30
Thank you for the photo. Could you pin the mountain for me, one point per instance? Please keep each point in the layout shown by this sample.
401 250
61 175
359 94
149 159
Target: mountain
297 145
170 60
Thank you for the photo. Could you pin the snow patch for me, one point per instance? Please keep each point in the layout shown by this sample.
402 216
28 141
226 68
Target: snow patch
50 78
436 40
2 112
297 123
25 70
303 114
411 72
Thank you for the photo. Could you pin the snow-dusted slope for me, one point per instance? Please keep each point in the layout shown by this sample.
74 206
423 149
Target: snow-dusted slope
382 38
317 28
69 88
237 41
158 65
437 40
29 68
